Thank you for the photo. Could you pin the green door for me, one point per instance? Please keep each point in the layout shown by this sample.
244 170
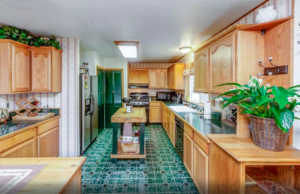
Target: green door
100 74
113 94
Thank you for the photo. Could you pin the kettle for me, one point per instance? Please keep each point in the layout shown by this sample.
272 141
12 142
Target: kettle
3 115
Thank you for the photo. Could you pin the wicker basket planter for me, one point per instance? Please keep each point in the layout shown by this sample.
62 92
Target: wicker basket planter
267 135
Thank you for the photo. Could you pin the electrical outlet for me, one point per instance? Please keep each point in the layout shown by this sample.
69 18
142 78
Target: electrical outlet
7 105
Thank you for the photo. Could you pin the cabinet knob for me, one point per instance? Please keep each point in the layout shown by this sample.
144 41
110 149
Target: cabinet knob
113 92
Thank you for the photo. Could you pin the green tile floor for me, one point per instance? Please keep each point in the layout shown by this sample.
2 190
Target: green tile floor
163 171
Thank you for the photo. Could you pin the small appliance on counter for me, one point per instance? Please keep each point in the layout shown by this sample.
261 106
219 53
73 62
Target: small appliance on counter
165 96
127 101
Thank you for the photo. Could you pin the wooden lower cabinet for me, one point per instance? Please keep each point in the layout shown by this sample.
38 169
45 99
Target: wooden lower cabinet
188 153
49 143
23 150
154 115
200 169
42 141
172 128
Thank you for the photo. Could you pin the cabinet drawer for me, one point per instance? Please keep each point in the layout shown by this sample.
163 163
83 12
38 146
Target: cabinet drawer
189 131
46 127
201 143
154 104
15 140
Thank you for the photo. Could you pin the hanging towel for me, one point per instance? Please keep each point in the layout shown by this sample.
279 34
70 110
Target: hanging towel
127 133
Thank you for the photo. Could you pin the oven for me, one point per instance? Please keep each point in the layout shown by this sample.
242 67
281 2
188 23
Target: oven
179 131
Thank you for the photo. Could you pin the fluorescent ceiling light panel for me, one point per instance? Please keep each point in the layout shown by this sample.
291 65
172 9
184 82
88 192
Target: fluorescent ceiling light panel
129 49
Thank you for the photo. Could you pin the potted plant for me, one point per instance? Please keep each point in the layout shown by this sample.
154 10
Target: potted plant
270 108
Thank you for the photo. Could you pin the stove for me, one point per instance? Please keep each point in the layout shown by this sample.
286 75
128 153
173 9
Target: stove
141 100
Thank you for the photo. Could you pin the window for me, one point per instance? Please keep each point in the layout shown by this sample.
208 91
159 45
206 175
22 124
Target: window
195 97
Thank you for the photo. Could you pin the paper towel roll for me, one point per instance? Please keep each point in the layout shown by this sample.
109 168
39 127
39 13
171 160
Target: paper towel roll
207 110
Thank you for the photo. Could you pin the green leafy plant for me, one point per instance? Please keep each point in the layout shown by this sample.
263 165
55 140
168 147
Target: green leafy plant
264 101
22 36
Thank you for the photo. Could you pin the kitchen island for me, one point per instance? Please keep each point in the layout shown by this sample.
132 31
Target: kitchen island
138 115
61 175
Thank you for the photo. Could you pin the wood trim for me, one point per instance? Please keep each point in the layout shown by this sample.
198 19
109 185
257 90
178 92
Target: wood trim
200 45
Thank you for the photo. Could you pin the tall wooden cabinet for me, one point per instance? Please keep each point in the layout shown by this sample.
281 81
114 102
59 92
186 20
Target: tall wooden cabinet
222 60
29 69
46 69
175 77
201 73
158 78
15 67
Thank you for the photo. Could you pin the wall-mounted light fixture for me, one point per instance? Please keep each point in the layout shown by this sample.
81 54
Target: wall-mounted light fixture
129 49
185 49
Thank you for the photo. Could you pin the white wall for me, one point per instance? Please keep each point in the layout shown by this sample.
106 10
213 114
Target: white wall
93 59
118 63
297 69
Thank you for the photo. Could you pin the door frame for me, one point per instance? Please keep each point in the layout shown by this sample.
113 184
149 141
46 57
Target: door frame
113 69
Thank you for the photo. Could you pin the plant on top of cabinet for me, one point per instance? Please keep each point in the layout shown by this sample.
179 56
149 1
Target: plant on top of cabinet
270 108
22 36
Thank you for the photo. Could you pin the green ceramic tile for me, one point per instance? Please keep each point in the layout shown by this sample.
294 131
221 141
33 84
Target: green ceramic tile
163 171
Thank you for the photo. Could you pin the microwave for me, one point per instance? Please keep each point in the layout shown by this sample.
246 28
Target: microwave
165 96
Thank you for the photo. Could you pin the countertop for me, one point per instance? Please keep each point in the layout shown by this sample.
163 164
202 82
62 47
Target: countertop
243 150
11 127
53 178
138 115
204 126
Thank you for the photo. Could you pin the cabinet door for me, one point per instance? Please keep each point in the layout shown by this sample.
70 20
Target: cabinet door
48 143
41 71
162 75
133 76
222 60
143 76
168 125
200 167
26 149
188 153
20 69
201 71
172 131
152 78
171 82
155 115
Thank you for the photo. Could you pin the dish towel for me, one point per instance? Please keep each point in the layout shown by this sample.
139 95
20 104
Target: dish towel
127 133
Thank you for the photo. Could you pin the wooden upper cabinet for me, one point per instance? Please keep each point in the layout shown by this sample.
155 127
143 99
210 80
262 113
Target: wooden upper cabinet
222 63
29 69
14 67
162 75
201 73
158 78
138 77
46 69
175 77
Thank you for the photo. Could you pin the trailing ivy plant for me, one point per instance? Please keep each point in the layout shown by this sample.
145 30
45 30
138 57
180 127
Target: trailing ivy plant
22 36
264 101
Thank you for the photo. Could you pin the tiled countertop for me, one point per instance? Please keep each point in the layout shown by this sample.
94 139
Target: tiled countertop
204 126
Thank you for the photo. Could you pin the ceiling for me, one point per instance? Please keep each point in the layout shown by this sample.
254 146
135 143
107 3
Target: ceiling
161 26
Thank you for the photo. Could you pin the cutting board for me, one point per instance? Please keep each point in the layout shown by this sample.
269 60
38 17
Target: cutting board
28 119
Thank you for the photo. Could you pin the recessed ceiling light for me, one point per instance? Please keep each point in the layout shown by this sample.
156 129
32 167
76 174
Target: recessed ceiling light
129 49
185 49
